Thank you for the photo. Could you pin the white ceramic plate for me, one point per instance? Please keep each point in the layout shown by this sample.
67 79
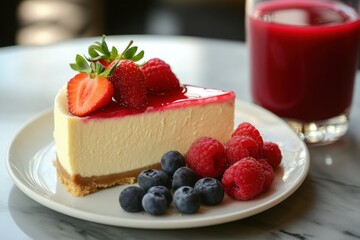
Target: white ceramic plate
32 152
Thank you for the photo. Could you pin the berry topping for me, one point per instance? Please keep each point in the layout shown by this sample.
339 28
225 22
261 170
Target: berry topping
247 129
130 199
129 84
271 152
184 176
128 79
206 157
159 77
211 191
268 173
162 190
239 147
187 200
154 203
244 180
153 177
89 90
171 161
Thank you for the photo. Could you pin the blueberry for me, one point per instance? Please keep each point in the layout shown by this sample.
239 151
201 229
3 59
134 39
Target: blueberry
171 161
165 180
184 176
162 190
130 199
153 177
211 191
186 200
154 203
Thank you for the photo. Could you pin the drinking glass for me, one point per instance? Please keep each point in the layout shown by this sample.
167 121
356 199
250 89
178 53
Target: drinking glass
303 62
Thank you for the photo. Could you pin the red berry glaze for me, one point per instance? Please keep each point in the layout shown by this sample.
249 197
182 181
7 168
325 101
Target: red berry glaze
206 157
129 84
244 180
159 77
271 152
247 129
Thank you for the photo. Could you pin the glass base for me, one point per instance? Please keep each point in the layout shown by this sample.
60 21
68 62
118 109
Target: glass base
321 132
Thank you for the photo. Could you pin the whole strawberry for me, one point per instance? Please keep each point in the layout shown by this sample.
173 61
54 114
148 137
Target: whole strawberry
129 84
89 90
159 76
127 78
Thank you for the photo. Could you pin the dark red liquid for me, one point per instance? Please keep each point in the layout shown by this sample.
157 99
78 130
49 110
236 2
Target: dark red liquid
304 67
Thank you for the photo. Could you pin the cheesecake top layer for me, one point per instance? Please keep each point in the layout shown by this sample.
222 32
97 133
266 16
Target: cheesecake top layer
186 96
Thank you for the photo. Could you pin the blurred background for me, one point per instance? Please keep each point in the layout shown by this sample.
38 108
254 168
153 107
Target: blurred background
40 22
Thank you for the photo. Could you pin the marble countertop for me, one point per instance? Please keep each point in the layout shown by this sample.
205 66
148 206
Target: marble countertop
326 206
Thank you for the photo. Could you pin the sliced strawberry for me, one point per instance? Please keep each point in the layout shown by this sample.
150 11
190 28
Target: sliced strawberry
86 94
129 84
159 76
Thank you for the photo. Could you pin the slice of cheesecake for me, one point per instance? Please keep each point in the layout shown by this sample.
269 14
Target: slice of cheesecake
112 145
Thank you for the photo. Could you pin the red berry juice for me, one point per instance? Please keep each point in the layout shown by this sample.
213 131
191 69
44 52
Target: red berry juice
303 57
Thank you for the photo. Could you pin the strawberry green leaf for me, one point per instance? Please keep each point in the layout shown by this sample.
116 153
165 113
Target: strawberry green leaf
130 53
114 53
93 51
138 57
93 59
121 56
100 50
108 71
96 47
99 68
75 67
81 64
104 47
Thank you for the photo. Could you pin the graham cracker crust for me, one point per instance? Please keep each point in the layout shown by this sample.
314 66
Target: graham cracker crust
80 186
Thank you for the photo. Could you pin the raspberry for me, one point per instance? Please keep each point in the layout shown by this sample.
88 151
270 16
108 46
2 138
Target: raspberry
271 152
206 157
159 76
247 129
268 173
239 147
244 180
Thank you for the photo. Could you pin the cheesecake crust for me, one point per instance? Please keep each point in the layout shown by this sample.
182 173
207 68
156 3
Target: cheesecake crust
80 186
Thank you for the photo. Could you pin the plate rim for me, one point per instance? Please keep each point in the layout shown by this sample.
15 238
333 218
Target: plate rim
145 224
